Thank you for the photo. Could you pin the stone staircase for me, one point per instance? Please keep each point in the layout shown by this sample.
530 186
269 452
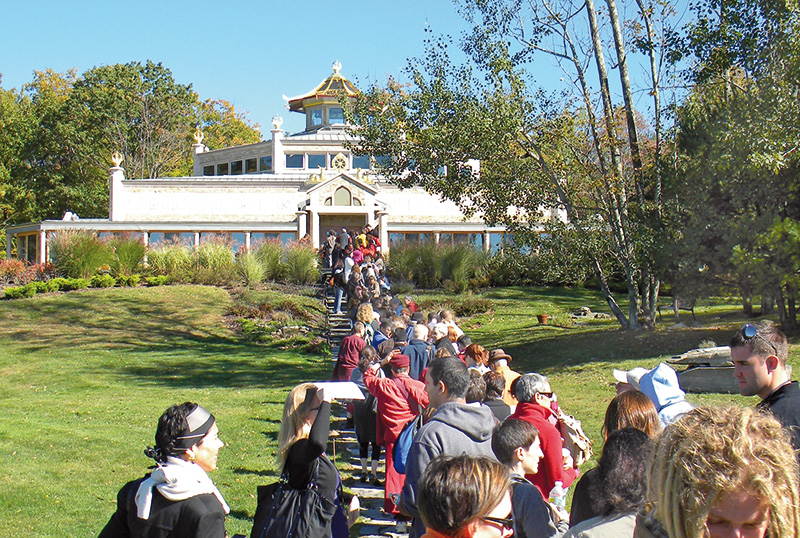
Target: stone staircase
344 446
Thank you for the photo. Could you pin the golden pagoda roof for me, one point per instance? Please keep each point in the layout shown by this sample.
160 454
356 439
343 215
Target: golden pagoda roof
332 87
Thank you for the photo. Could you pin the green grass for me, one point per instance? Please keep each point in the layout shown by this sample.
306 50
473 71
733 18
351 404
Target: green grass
84 376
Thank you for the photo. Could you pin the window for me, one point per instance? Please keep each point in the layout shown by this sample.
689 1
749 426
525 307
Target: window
208 170
356 201
361 161
427 237
495 242
27 247
286 237
250 166
383 161
259 238
236 168
315 161
237 241
266 163
342 197
294 160
476 240
329 200
335 115
460 239
395 239
222 169
316 116
158 239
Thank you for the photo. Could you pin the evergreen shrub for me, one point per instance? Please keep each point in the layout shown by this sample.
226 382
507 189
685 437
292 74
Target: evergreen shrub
103 281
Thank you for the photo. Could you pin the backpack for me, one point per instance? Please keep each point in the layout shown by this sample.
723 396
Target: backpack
403 444
338 277
577 442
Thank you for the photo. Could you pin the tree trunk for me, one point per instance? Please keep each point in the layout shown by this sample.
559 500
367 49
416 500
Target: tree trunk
747 307
627 95
791 306
767 304
783 315
612 302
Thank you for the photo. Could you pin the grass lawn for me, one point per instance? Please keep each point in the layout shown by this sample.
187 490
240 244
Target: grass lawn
85 375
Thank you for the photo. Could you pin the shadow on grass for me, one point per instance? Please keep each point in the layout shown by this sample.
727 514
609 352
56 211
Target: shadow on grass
577 348
172 337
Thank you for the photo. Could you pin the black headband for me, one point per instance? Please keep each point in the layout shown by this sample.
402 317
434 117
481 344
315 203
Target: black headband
198 423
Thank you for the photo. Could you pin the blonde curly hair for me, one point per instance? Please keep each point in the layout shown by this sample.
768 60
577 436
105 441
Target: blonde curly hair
714 450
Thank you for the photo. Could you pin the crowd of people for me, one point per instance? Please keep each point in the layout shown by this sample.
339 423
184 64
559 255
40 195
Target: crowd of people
486 453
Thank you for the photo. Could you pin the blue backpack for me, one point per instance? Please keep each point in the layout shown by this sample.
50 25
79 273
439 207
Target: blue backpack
403 444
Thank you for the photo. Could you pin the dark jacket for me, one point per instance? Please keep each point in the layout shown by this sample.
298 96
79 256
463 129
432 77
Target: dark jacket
500 408
583 503
533 517
417 352
201 516
784 403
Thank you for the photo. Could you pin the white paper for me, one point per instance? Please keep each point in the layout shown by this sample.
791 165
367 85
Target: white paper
341 390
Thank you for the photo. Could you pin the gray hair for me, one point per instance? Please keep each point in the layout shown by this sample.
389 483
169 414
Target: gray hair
529 384
420 332
440 331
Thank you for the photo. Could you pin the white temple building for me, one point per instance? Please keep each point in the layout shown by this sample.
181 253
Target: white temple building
285 187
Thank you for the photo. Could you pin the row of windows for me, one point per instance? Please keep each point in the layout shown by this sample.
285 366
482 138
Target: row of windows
445 238
497 240
297 161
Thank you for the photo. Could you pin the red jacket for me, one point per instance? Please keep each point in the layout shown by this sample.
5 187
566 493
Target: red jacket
348 357
394 410
551 467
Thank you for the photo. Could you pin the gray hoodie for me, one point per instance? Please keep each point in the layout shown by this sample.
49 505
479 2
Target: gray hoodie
454 429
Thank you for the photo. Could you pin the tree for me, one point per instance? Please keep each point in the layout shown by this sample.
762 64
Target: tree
736 185
58 133
138 110
534 154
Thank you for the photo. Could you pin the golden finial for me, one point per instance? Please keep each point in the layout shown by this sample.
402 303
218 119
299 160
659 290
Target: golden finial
117 159
198 136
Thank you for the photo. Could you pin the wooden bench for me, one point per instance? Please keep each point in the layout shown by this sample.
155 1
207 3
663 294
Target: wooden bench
680 302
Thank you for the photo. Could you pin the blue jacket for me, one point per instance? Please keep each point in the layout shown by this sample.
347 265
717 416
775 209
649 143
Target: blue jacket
417 352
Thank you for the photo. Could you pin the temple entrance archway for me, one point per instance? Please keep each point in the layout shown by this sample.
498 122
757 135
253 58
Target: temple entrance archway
337 222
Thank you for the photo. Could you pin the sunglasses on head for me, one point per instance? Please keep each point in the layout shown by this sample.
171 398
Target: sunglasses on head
507 522
749 331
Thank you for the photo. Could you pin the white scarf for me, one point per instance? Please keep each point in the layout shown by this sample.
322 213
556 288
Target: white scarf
176 480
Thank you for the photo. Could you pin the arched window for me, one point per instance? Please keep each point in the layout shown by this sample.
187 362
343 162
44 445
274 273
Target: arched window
329 201
356 201
342 196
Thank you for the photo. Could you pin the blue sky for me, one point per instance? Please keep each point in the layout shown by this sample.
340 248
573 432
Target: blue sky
250 53
247 52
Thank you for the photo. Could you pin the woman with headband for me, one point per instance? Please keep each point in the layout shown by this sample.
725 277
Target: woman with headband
178 499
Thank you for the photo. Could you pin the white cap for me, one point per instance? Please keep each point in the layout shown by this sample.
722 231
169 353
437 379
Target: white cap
631 376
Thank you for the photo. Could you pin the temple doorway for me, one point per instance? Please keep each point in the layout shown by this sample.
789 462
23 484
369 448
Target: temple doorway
337 222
